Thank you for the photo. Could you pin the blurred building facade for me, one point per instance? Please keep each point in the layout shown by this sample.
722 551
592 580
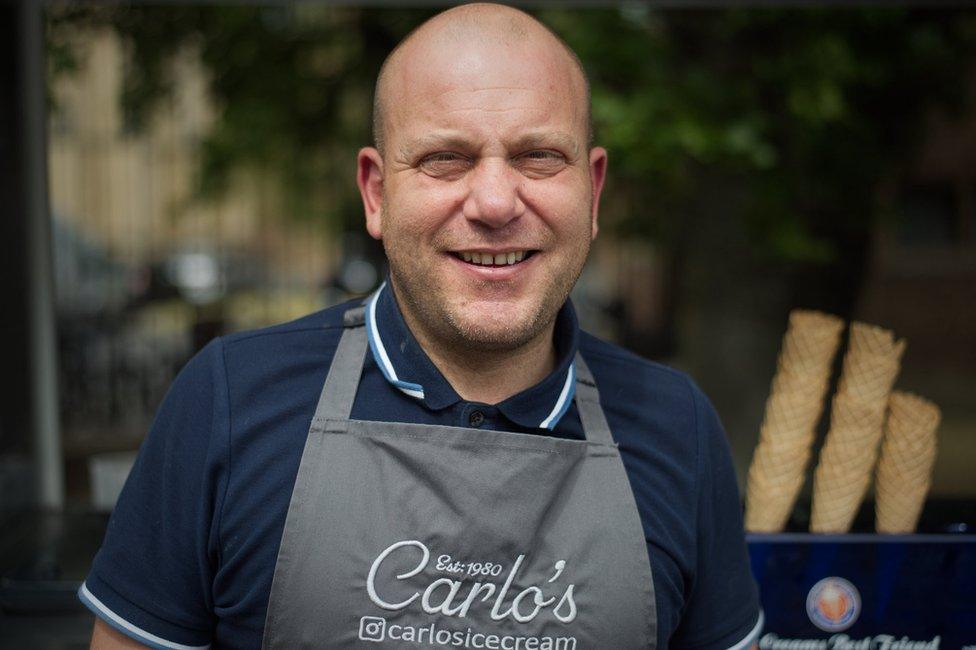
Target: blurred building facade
145 271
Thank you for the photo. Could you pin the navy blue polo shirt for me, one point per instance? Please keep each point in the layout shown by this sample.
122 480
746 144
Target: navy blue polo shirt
190 550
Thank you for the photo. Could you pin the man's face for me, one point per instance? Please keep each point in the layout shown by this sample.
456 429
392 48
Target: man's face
488 193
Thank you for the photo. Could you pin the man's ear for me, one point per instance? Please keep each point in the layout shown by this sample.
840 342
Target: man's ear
598 174
369 177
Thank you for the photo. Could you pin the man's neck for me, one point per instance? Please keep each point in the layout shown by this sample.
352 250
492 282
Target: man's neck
493 376
488 376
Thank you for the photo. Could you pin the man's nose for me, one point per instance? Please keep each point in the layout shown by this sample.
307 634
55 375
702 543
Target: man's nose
493 196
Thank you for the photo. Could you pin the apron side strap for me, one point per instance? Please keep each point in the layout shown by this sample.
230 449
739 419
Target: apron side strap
595 426
339 389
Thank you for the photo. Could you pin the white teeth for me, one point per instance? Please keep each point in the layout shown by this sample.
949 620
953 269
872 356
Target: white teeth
487 259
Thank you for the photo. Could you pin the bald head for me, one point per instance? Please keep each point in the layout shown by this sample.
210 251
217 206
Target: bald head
483 26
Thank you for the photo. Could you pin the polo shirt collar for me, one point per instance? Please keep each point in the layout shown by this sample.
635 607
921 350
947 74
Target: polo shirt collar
407 367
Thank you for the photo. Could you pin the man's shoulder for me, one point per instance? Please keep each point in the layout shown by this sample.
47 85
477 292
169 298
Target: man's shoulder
320 329
299 349
642 396
622 374
326 319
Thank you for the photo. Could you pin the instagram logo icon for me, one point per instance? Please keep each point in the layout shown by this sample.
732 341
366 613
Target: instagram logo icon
372 628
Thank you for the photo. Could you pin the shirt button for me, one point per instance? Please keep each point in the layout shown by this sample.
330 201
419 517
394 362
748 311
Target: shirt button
476 419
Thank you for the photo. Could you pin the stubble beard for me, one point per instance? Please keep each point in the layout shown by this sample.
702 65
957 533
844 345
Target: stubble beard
426 303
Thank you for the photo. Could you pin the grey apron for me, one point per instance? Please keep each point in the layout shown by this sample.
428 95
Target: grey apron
401 535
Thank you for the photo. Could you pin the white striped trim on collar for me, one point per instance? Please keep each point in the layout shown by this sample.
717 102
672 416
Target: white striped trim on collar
753 634
564 400
127 628
417 391
379 350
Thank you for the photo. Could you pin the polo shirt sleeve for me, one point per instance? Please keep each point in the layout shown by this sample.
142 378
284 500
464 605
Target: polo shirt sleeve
152 577
722 610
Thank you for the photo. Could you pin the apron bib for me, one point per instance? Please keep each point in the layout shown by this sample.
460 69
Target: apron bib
401 535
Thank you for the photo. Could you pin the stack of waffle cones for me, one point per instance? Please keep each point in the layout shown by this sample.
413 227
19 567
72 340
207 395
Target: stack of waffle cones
857 414
905 467
779 465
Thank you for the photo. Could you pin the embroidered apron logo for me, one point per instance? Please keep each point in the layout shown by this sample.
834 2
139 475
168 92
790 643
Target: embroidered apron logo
525 606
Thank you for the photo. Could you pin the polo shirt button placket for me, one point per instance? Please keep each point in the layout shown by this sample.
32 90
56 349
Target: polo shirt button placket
476 418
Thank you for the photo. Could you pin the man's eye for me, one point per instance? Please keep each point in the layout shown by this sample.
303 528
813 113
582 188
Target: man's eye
542 155
443 156
444 163
540 162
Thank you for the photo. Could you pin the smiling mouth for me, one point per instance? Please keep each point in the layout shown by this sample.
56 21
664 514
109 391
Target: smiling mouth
495 259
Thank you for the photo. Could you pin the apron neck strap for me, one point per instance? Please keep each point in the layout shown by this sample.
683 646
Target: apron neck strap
339 390
354 316
342 382
595 426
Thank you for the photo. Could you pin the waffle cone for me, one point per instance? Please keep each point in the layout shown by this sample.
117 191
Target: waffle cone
778 467
857 413
905 466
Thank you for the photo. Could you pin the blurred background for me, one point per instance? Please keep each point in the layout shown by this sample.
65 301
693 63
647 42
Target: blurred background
172 173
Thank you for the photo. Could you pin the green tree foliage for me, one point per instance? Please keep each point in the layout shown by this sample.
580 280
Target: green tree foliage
805 112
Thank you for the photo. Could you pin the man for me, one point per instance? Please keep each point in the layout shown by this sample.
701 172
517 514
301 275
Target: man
436 467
